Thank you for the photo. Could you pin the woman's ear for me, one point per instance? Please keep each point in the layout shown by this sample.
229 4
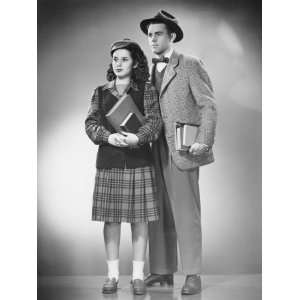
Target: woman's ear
135 65
173 36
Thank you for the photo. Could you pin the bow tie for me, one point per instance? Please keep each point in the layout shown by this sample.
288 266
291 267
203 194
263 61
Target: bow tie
161 59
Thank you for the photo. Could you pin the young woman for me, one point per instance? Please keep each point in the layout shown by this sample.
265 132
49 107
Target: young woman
125 185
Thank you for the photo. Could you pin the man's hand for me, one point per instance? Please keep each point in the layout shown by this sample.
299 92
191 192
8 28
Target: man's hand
117 139
198 149
130 139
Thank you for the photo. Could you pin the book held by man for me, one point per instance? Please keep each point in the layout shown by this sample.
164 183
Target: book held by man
185 136
125 110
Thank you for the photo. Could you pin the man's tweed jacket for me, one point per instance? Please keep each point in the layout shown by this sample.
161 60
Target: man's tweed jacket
186 96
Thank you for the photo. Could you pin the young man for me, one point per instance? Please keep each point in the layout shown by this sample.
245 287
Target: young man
185 95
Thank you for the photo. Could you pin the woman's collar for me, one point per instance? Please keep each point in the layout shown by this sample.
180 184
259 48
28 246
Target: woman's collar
111 85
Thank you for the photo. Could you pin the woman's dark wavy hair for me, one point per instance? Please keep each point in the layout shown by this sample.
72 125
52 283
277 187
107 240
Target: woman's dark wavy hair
140 74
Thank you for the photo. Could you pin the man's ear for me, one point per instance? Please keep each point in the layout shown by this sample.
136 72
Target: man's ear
173 36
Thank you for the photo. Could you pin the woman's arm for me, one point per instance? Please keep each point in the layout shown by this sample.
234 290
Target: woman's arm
151 129
94 122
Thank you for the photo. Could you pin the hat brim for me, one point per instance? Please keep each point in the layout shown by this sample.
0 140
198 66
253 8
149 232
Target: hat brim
172 25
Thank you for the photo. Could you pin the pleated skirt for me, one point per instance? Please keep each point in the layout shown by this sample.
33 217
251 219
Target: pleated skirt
125 195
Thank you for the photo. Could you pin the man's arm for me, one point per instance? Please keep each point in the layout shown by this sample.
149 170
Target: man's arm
202 91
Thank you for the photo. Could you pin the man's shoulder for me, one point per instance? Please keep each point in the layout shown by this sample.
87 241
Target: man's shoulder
194 65
190 60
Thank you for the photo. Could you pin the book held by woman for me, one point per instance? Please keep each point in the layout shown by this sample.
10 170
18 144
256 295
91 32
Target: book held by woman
125 110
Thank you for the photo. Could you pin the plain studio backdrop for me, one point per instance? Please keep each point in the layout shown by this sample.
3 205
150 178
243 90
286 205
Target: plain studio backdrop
74 39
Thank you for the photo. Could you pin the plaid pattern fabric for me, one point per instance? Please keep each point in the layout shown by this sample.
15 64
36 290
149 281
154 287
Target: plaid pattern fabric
149 132
125 195
94 127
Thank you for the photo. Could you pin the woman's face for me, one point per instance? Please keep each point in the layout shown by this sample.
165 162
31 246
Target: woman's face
122 63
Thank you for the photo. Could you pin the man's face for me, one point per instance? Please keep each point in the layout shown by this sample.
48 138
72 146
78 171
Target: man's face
158 38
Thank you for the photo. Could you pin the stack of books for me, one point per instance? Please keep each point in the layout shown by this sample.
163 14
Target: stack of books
185 135
125 115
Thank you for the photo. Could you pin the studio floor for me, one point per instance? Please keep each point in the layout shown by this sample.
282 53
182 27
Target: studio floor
214 287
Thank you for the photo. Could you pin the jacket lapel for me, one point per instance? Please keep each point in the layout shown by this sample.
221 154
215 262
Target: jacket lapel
170 72
152 75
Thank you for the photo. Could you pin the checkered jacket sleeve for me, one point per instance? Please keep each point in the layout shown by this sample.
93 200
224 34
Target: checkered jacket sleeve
94 127
150 131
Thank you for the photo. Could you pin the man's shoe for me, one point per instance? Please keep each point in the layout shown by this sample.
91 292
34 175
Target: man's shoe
138 286
192 285
167 279
110 286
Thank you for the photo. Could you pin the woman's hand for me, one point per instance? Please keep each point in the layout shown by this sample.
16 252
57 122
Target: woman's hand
118 140
130 139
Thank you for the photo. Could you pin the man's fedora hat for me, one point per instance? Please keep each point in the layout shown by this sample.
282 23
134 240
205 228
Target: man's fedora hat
164 17
125 43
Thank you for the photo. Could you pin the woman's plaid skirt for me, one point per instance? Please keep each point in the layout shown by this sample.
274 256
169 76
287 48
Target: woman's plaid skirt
125 195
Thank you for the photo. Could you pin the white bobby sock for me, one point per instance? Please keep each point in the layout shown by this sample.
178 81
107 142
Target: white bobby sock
113 268
138 270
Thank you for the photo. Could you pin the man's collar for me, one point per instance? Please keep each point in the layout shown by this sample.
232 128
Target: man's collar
110 85
168 53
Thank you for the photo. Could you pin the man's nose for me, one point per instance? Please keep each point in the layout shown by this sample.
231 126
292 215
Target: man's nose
154 39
